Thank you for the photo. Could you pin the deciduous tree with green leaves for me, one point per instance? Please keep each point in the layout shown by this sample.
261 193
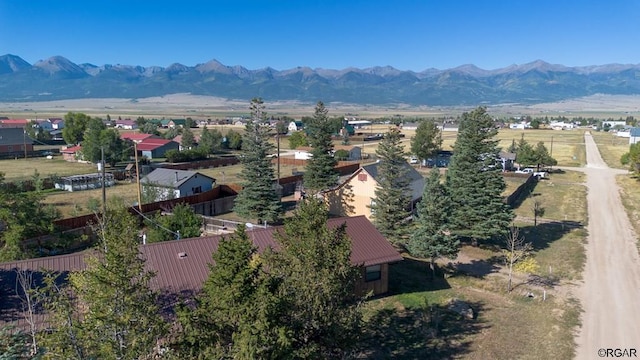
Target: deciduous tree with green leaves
393 193
297 139
320 172
107 311
23 216
427 141
183 223
432 238
258 198
475 183
321 310
74 126
210 140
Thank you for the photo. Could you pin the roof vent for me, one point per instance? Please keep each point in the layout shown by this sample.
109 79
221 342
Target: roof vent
182 255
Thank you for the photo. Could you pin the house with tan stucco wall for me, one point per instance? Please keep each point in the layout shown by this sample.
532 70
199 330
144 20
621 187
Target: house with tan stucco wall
356 193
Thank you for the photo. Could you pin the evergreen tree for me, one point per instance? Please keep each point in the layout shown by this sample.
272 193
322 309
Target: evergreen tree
525 154
236 314
183 223
258 198
188 140
108 310
543 158
474 182
431 239
393 193
427 140
318 280
320 173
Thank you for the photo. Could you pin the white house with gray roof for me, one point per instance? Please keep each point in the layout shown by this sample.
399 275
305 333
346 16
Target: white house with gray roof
163 184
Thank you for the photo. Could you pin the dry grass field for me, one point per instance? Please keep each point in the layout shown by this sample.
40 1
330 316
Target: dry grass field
567 147
611 147
23 169
77 203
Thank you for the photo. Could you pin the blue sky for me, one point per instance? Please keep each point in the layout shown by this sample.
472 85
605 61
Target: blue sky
408 35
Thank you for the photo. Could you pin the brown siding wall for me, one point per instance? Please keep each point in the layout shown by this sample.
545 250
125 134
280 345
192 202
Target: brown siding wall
378 287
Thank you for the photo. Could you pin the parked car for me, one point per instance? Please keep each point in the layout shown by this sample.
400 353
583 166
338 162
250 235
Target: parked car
413 160
538 174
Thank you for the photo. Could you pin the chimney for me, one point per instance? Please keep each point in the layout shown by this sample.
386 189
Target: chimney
176 176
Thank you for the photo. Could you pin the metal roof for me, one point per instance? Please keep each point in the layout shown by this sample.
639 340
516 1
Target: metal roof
416 181
183 265
171 178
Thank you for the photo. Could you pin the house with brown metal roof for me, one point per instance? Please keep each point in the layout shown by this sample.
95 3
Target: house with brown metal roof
182 266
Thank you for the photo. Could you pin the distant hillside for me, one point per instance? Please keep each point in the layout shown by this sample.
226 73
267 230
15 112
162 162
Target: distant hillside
58 78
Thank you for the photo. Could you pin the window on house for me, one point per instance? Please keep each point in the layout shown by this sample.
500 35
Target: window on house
373 273
372 206
196 190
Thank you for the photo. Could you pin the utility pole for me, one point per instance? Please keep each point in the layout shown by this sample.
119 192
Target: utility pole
278 141
104 191
135 152
24 141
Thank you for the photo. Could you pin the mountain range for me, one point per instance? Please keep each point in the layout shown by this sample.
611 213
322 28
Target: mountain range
57 78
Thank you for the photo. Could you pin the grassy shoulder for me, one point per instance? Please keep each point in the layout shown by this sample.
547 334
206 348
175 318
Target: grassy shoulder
611 147
413 321
630 196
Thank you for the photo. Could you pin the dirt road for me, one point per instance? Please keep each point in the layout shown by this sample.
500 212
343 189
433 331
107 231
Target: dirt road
610 294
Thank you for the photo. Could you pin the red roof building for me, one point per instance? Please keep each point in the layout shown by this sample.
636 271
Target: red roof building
14 123
182 266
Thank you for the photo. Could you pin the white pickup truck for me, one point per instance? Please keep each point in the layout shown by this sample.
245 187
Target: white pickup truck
538 174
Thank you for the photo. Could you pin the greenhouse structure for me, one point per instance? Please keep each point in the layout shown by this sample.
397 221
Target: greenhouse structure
84 182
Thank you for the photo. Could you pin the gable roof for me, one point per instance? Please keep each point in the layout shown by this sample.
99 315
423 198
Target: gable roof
14 123
507 155
416 181
152 144
186 274
134 136
171 178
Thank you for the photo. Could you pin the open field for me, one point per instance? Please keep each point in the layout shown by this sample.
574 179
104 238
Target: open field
76 203
183 105
23 169
567 147
611 147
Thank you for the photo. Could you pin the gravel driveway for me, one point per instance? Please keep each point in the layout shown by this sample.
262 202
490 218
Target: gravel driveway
610 293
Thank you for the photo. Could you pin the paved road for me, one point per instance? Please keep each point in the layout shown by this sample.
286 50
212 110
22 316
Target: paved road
610 294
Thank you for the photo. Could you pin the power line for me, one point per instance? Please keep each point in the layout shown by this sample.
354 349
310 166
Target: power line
177 234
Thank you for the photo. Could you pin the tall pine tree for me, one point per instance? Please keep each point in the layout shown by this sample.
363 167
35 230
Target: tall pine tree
108 310
475 183
432 239
314 263
236 314
258 198
393 193
320 170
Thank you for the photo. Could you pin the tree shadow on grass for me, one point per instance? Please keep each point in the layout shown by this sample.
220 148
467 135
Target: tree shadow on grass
428 332
477 268
411 275
543 234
